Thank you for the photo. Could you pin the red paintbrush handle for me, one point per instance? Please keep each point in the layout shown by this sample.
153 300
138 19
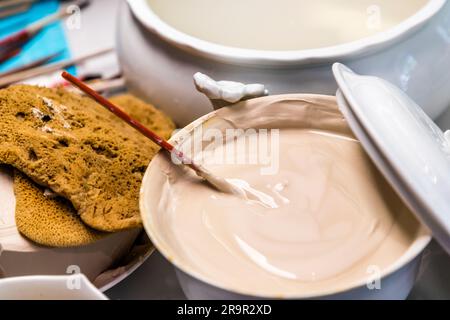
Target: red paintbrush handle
117 111
132 122
14 39
8 55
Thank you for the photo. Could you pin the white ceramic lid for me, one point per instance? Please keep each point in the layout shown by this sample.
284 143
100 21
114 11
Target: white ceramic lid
403 142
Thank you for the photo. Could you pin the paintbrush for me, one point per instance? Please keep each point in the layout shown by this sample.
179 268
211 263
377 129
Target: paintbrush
16 40
31 65
27 74
219 183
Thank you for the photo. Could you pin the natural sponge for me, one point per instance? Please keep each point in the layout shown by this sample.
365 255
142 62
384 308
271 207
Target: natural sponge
73 146
49 222
148 115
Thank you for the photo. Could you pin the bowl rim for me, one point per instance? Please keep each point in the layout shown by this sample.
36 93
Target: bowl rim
153 23
414 250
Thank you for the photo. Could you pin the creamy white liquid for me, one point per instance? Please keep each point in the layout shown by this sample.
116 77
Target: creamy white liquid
311 217
283 24
326 217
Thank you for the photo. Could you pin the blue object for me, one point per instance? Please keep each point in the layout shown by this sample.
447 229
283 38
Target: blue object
50 40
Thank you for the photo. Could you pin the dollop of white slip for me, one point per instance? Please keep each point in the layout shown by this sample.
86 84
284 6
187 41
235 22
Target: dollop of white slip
228 91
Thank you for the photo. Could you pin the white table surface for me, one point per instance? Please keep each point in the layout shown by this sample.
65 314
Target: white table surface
155 279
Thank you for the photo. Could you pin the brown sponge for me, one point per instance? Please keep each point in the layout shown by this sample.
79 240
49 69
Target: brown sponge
49 221
73 146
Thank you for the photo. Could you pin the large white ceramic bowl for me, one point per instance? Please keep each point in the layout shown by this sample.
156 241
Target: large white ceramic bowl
159 61
396 281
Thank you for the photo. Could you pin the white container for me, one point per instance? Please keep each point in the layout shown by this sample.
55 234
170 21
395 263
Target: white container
395 286
407 147
20 256
159 61
74 287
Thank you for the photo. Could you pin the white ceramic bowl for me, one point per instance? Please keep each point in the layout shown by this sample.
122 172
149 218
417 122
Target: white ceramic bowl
74 287
159 61
397 280
22 257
